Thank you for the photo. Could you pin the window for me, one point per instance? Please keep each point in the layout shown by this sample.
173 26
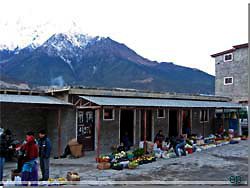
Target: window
228 80
228 57
160 113
108 114
204 116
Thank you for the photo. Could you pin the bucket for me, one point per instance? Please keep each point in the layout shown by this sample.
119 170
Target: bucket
189 150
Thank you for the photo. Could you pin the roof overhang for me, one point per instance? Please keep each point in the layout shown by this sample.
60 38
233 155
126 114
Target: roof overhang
146 102
30 99
245 45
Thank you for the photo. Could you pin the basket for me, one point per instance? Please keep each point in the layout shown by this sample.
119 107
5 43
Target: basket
73 176
76 150
103 166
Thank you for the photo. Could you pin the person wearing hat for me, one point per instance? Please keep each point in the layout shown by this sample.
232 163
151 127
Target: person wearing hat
44 154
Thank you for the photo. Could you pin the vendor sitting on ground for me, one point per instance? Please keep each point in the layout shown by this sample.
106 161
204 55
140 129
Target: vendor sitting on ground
159 138
221 131
126 142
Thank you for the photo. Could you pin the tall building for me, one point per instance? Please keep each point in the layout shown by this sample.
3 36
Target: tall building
231 73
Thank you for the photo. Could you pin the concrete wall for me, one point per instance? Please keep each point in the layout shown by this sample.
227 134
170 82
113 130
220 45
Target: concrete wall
199 127
109 132
236 69
21 118
161 123
68 128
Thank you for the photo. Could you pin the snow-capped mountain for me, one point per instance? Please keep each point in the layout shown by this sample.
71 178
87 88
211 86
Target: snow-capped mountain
20 34
74 58
68 46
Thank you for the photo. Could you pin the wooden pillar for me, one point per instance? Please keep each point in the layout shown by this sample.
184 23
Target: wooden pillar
178 122
59 133
223 119
191 120
181 124
145 131
238 122
98 134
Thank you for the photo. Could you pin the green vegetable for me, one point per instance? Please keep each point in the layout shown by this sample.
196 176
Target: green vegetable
138 152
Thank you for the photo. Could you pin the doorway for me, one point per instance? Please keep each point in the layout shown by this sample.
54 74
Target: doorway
148 125
186 123
173 123
127 125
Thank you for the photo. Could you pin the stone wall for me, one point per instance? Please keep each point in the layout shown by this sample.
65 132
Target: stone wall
161 123
21 118
109 132
203 127
238 69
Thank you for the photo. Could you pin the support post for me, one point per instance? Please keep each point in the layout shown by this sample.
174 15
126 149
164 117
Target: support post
238 122
178 122
59 133
145 130
223 119
191 121
98 134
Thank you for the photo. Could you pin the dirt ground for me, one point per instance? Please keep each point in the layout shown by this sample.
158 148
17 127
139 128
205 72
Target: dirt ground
214 164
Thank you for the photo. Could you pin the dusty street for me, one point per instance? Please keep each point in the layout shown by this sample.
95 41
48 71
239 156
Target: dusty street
215 164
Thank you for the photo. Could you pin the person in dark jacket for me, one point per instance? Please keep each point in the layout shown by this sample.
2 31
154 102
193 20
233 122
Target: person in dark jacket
126 142
172 142
3 150
44 154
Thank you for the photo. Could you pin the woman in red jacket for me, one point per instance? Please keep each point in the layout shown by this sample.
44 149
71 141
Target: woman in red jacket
29 169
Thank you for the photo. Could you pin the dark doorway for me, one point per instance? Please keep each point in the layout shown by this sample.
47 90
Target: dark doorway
148 126
186 123
173 123
86 129
127 125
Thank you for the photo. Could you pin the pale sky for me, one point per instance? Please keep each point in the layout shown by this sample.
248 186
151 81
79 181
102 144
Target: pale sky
183 32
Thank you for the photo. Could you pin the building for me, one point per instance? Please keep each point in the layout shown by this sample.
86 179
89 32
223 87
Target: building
231 73
98 118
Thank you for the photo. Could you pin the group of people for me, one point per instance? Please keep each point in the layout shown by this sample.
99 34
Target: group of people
176 142
28 154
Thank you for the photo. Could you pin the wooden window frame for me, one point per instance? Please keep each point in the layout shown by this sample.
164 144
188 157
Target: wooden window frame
204 121
113 114
164 114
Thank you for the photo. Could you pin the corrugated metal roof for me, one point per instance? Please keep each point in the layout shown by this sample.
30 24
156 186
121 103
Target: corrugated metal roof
112 101
31 99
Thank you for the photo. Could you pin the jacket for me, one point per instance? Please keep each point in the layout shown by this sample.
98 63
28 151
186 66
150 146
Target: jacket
3 146
44 147
30 149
